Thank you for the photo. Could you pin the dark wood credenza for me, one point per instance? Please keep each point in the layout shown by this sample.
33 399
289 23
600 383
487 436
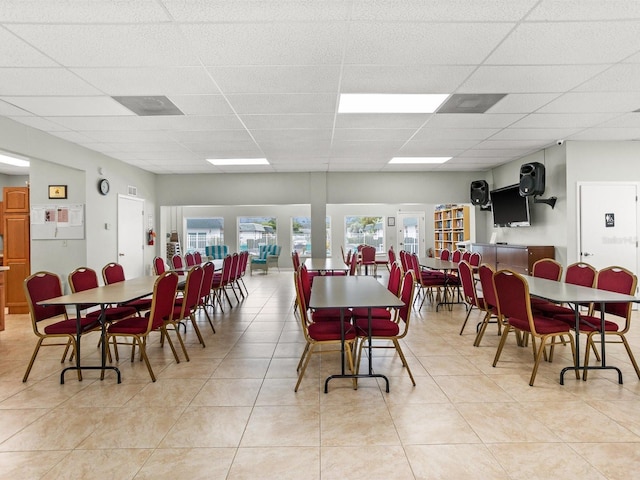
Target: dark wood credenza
519 258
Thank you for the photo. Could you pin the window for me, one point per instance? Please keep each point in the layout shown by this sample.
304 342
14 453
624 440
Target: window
301 235
204 231
364 230
256 231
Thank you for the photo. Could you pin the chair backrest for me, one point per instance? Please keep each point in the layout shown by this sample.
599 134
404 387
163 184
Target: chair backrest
466 256
348 259
43 286
193 284
580 273
619 280
189 259
395 279
406 295
177 262
159 266
404 260
227 272
208 270
235 263
547 268
368 254
456 256
197 256
445 254
302 304
112 273
475 259
162 303
82 279
485 272
465 272
295 259
244 261
305 283
391 255
354 265
512 293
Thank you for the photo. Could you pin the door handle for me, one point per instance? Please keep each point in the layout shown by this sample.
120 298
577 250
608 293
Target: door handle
121 254
587 254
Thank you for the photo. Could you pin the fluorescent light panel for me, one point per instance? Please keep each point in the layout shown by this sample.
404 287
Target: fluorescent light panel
11 160
418 160
237 161
390 102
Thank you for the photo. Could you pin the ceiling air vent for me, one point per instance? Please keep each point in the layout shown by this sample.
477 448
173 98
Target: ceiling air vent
470 102
133 191
145 106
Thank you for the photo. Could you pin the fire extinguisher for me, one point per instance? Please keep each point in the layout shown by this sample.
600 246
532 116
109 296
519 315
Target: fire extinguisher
150 236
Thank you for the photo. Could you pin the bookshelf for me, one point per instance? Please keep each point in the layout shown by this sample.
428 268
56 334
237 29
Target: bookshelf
451 225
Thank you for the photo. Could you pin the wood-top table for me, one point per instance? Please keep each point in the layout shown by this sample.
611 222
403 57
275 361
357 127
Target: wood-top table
115 293
345 292
561 292
446 267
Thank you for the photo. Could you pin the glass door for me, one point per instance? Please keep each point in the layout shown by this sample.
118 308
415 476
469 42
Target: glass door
411 232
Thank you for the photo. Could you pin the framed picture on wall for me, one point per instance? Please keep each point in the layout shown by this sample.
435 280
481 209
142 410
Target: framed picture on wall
391 221
57 191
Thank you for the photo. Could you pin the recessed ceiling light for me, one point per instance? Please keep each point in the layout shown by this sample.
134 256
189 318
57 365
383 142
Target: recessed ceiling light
237 161
390 103
11 160
417 160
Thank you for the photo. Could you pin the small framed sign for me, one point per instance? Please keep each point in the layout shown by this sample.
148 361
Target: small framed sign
391 221
58 191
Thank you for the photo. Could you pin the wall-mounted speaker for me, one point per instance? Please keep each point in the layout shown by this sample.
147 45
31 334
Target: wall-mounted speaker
531 179
479 192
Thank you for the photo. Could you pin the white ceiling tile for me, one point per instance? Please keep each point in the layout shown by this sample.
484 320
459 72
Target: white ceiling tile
473 120
277 78
73 137
507 144
8 110
628 120
568 43
441 10
267 43
69 106
43 81
201 104
576 102
149 81
619 78
109 45
528 78
377 43
212 136
522 102
291 136
221 149
257 11
364 149
194 123
563 120
542 134
275 122
41 123
15 52
283 103
403 78
373 134
454 133
73 11
299 147
165 146
454 145
125 136
607 134
572 10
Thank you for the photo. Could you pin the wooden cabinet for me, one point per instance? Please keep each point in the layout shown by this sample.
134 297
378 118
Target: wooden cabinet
519 258
17 253
450 227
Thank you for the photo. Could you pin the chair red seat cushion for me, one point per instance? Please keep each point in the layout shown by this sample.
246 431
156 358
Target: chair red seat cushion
69 327
609 326
140 304
330 314
549 309
375 313
379 327
133 325
543 325
324 331
113 314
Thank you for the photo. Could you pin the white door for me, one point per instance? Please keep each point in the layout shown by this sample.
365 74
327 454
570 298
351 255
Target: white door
608 229
131 235
411 232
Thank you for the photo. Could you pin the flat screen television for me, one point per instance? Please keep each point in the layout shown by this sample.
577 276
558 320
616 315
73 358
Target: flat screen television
509 208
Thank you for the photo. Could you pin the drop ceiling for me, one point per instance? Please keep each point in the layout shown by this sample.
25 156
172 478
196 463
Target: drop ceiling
263 78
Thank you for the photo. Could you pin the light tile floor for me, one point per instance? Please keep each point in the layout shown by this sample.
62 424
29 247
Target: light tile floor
231 412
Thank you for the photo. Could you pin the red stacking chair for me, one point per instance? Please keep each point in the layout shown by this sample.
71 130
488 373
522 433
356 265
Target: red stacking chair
368 258
197 257
489 302
393 285
177 263
186 306
514 306
159 266
43 286
113 273
189 259
465 271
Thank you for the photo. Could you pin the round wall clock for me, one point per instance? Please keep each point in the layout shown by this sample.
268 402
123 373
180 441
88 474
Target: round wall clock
103 186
